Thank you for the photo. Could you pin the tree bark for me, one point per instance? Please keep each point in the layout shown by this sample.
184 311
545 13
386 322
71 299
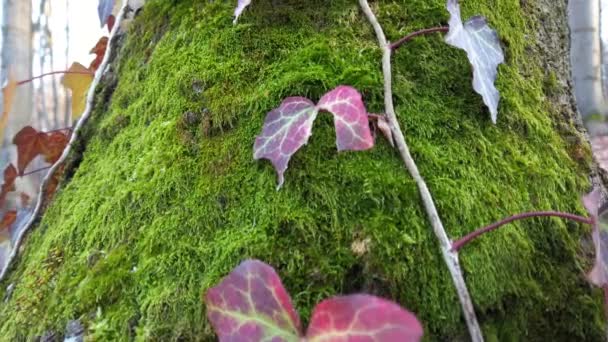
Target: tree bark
17 63
161 197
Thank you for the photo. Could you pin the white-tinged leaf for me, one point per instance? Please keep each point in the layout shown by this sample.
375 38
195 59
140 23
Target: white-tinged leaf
240 7
483 48
104 10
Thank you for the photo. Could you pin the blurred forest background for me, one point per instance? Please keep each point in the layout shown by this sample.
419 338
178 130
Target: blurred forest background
39 37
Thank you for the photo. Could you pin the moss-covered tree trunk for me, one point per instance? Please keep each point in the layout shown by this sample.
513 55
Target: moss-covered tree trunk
162 198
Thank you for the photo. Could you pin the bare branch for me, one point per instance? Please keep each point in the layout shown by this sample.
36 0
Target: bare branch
450 257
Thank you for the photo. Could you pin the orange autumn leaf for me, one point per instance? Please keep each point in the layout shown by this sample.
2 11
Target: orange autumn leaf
78 83
10 174
54 146
8 96
99 50
30 143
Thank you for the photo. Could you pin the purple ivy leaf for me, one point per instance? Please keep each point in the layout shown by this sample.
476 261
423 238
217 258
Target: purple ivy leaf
599 273
350 118
251 304
104 10
286 129
240 7
483 49
361 317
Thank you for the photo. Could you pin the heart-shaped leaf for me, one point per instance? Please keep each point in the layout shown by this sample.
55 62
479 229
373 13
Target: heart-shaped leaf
362 318
78 82
483 48
251 304
286 129
30 143
350 118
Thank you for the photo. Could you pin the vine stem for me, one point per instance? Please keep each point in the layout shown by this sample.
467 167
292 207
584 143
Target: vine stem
397 44
85 116
37 170
458 244
54 73
450 257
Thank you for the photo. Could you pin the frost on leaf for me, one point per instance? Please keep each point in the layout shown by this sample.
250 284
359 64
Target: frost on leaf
483 48
240 7
251 304
350 118
362 318
286 129
599 273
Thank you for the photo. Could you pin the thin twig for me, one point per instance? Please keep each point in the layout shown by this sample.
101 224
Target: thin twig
87 112
458 244
37 170
397 44
450 257
55 73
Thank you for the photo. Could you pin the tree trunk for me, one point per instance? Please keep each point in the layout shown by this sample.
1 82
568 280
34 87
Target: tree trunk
161 197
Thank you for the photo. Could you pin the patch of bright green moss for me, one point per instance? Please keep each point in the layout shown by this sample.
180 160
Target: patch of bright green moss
167 198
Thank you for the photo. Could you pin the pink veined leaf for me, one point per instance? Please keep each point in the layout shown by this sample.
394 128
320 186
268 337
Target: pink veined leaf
599 273
362 317
483 49
240 7
251 304
350 118
286 129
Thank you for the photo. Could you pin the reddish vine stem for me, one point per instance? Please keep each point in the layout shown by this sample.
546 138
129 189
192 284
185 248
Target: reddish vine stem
394 46
37 170
458 244
55 73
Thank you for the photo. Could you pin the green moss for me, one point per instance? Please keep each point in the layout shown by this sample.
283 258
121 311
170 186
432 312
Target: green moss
166 198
